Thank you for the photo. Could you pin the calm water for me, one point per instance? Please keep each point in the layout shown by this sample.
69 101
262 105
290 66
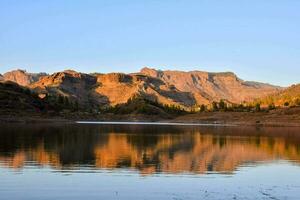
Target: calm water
98 161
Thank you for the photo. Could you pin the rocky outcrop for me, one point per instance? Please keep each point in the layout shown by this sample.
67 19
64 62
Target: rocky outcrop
69 83
207 87
118 88
22 77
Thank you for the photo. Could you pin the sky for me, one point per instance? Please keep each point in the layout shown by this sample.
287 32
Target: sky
258 40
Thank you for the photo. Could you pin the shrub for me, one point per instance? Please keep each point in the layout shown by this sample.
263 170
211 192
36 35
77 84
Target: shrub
271 106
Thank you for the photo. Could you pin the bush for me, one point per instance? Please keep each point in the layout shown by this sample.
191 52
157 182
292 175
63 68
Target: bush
271 106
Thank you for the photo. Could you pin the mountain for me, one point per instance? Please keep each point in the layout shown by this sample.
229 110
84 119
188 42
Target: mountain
118 88
206 87
68 83
109 89
22 77
287 97
176 88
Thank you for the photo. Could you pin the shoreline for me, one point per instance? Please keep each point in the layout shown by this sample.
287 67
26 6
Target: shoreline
272 119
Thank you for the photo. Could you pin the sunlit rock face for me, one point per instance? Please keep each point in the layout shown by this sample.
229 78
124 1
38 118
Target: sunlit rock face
164 150
184 89
22 77
118 88
69 83
207 87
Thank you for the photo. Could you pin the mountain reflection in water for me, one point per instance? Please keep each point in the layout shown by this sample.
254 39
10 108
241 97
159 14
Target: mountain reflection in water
146 148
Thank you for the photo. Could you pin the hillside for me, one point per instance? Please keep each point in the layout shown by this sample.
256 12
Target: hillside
22 77
142 96
207 87
73 85
14 97
177 88
288 97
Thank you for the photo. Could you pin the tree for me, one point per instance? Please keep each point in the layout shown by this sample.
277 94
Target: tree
222 105
215 106
257 107
202 108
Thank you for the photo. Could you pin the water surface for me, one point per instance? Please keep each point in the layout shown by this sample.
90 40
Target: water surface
148 161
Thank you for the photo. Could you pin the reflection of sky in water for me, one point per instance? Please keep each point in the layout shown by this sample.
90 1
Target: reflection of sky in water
273 180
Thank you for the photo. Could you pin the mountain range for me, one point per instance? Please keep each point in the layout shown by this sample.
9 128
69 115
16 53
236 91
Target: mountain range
184 89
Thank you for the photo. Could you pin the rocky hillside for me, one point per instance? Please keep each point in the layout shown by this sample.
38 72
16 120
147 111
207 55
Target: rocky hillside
22 77
71 84
206 87
116 88
184 89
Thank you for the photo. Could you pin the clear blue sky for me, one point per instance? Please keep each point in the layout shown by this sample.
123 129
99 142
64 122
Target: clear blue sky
257 39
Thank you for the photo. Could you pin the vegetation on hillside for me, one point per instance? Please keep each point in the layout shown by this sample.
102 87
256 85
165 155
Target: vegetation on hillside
16 98
287 98
140 105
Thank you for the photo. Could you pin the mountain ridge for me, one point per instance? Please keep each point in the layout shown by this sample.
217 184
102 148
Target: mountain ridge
170 87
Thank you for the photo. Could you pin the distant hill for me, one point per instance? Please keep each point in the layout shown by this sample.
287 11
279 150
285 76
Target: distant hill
22 77
176 88
287 97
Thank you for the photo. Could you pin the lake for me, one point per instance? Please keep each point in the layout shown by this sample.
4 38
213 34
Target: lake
148 161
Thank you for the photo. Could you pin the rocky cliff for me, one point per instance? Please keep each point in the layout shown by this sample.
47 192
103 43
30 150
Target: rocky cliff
22 77
206 87
184 89
69 83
